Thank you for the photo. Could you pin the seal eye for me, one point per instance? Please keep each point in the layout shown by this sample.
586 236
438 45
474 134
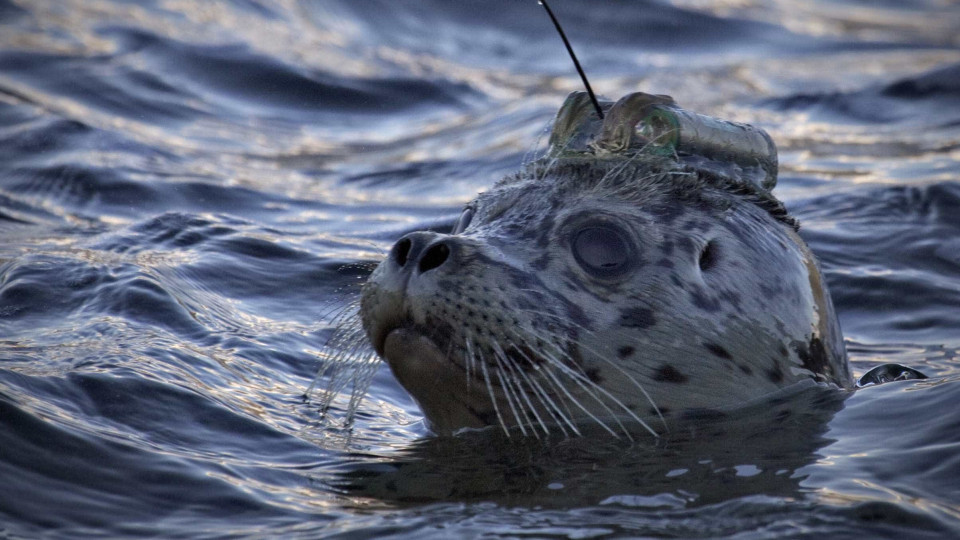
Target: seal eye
465 218
602 251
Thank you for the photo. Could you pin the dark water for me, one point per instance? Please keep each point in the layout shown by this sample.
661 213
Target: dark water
188 190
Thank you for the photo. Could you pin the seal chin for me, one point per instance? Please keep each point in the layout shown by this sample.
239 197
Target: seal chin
411 353
378 338
448 401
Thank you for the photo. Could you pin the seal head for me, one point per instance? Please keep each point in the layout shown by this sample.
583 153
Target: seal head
606 284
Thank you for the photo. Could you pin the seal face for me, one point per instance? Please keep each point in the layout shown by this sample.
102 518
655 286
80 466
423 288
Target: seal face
604 290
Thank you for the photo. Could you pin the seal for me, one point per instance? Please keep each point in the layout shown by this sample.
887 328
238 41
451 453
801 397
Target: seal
615 282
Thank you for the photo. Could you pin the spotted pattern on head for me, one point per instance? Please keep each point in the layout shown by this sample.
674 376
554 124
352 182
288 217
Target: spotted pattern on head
705 305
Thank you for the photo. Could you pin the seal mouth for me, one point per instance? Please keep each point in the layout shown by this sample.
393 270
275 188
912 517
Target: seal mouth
415 359
397 343
409 351
448 399
379 331
402 344
379 338
388 337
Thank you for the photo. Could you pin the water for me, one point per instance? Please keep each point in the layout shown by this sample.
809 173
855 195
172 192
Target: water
189 191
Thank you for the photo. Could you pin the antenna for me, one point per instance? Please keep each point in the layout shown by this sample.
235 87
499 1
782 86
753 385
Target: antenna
576 63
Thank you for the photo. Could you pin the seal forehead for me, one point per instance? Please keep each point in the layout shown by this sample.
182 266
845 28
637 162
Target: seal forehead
532 197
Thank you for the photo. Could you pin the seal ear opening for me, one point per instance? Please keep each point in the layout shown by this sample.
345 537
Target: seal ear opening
708 257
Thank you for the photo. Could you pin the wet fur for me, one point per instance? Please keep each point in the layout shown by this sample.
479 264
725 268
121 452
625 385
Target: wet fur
527 341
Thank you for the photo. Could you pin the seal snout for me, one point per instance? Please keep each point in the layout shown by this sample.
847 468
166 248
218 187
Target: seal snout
393 292
421 252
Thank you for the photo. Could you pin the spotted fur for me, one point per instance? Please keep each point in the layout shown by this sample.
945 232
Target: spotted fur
720 303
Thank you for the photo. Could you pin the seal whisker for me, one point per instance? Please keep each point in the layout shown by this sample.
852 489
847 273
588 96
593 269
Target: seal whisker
350 349
517 373
537 367
605 358
550 404
470 360
563 420
448 354
580 376
339 312
559 385
493 396
343 314
557 403
511 396
349 334
361 383
341 377
347 327
331 367
585 384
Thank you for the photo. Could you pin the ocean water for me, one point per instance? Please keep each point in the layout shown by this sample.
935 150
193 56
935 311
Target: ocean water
190 192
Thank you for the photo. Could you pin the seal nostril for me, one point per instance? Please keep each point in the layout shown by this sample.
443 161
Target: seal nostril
401 250
434 257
